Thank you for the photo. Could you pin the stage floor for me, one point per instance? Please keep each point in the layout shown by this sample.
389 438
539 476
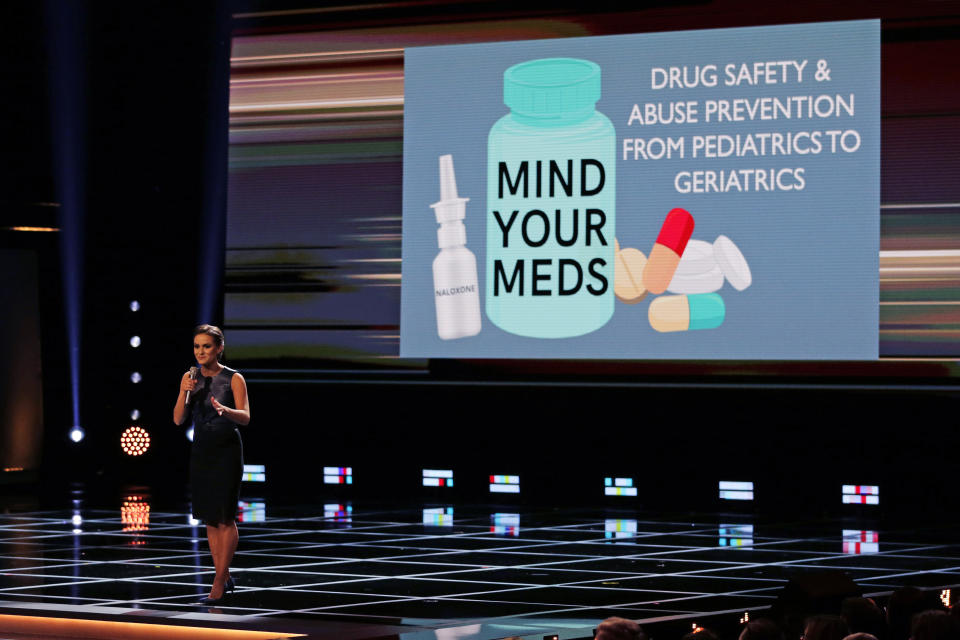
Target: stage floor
355 571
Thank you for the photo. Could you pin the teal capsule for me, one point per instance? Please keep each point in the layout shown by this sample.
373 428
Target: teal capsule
687 313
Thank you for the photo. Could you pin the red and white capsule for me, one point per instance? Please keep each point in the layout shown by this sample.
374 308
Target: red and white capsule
666 252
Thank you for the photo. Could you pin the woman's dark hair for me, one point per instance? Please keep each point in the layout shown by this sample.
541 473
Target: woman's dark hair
935 625
615 628
825 627
210 330
761 629
863 615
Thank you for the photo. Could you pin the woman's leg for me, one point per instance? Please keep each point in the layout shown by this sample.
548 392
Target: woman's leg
214 539
227 545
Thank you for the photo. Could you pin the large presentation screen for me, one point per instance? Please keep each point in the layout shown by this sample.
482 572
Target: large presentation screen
742 163
710 194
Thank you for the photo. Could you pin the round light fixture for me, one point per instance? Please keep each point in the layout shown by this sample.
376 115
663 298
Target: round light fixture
135 441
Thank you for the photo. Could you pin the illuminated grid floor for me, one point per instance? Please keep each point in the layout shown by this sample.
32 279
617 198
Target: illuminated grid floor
428 568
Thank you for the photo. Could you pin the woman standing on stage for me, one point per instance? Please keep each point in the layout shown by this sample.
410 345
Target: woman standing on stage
218 402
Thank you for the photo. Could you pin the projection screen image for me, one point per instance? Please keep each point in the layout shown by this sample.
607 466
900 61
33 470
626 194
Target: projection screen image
699 195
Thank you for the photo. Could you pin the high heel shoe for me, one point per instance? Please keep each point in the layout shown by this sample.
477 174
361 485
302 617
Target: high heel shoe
228 586
212 602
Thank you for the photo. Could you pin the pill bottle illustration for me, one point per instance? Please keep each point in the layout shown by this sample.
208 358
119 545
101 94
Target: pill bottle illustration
551 190
455 287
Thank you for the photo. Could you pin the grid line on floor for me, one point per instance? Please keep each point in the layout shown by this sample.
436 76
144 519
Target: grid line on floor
389 564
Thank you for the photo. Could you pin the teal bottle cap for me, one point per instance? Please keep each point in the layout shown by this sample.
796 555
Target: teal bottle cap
552 87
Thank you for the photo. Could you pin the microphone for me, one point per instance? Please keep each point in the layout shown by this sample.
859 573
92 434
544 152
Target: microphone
193 376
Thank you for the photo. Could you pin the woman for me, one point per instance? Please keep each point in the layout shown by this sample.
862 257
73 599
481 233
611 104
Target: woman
218 403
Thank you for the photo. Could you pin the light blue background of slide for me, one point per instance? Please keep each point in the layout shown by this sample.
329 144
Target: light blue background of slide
814 253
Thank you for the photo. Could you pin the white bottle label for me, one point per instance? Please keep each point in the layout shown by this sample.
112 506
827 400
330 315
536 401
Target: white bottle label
456 294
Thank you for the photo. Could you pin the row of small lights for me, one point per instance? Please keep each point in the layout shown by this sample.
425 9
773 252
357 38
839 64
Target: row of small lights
135 439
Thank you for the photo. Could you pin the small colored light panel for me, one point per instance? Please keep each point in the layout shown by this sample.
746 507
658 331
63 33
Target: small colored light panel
504 484
861 494
733 490
857 541
438 477
504 488
620 529
735 535
252 511
339 512
338 475
619 487
620 491
254 473
505 524
438 516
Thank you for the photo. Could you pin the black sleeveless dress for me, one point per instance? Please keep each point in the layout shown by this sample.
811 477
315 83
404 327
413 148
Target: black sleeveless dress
216 458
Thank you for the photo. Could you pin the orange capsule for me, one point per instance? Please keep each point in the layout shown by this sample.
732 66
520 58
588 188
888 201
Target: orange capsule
666 252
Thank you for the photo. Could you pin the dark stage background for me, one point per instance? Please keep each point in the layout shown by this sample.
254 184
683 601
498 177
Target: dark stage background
140 97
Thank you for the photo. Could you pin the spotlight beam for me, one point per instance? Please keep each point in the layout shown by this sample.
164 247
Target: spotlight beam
64 23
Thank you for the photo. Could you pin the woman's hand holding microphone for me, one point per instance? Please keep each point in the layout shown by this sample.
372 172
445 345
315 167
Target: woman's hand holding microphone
188 383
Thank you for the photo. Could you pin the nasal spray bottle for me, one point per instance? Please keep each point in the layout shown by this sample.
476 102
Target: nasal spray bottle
456 291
